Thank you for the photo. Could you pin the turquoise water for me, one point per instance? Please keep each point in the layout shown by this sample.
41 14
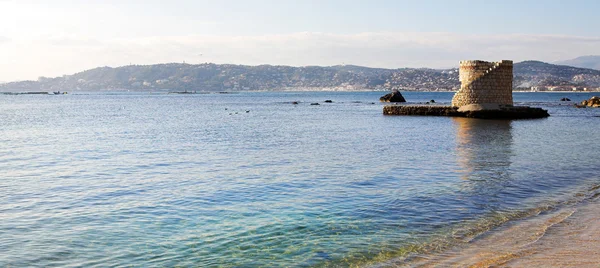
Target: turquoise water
249 179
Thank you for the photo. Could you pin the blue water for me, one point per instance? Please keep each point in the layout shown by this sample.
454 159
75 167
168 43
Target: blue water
249 179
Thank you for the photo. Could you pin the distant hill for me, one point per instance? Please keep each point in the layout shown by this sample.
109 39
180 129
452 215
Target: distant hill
227 77
590 62
537 73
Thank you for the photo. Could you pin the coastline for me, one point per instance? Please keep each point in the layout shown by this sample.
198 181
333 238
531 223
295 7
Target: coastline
565 237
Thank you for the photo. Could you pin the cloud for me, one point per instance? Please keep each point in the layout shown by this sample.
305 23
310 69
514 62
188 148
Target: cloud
4 39
54 56
73 41
388 49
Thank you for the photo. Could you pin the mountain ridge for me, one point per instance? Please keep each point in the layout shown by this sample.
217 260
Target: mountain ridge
231 77
589 62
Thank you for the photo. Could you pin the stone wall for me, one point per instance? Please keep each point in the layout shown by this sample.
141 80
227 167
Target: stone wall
485 83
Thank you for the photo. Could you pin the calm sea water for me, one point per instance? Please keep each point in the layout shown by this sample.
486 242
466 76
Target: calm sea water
249 179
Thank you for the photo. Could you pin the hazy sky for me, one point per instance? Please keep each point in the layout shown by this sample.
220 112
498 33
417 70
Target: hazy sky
56 37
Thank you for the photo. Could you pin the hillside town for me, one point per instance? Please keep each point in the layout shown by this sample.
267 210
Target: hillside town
209 77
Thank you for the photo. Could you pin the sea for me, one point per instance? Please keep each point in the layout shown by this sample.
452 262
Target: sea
251 179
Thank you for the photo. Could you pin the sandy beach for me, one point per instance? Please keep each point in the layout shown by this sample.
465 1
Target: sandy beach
572 242
568 237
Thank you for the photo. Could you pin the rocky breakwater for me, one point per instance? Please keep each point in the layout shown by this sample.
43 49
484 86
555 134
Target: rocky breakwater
506 112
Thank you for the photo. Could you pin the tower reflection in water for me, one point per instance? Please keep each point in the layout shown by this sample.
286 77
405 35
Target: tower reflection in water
484 149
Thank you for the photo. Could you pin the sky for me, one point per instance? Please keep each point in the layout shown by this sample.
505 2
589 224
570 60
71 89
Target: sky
57 37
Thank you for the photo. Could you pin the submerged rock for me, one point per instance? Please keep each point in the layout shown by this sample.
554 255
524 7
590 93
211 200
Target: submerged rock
315 103
565 99
328 101
395 96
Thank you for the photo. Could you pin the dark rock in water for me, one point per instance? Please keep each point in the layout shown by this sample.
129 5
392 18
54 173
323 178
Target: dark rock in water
592 102
432 101
516 112
565 99
328 101
294 102
395 96
315 103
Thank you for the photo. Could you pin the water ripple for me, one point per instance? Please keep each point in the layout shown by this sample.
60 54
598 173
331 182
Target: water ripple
162 180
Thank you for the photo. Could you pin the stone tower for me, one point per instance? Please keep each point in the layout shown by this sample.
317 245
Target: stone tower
485 84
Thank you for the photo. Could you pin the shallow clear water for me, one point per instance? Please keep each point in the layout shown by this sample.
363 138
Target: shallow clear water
250 179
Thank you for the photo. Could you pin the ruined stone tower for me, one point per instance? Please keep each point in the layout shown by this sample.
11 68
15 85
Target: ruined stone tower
486 84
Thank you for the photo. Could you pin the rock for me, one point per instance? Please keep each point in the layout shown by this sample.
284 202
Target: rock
592 102
315 103
432 101
395 96
294 102
565 99
328 101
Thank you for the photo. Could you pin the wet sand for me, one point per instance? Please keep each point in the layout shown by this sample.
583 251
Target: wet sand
574 242
568 237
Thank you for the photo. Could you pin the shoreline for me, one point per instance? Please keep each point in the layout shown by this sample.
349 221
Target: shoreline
564 237
167 91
